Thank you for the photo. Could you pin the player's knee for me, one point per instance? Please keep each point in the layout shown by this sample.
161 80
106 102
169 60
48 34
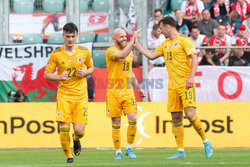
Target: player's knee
132 119
116 120
176 118
64 129
132 116
79 129
190 117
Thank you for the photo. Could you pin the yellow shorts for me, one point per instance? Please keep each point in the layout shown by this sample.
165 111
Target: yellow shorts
118 106
180 98
72 112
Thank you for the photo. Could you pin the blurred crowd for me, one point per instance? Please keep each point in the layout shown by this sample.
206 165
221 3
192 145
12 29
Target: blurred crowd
208 23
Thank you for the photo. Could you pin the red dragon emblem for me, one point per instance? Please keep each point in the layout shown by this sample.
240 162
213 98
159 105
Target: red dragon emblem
29 85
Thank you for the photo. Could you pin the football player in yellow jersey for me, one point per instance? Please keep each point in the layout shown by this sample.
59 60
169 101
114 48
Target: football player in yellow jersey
120 95
177 50
71 60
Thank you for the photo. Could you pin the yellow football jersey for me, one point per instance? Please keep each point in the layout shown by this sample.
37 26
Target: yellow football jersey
177 58
119 74
73 88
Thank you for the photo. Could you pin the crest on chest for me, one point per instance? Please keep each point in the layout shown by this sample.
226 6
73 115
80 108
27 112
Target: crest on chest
79 60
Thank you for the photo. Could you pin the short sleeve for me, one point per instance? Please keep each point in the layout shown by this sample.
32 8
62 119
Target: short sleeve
51 66
111 53
159 50
89 61
188 46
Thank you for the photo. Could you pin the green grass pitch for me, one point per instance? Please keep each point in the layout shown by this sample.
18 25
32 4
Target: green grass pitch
145 158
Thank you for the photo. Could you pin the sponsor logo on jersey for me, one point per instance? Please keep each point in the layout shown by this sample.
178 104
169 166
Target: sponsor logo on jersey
71 61
113 52
79 60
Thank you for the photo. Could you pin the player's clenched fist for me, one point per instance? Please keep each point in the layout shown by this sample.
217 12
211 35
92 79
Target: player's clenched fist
63 76
81 73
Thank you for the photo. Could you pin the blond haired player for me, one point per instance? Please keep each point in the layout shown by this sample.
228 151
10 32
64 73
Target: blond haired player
177 50
120 95
71 61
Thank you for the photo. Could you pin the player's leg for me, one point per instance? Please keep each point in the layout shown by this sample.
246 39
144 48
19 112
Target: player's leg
63 118
178 131
114 112
131 132
189 103
191 115
116 136
79 118
130 108
65 140
78 134
176 108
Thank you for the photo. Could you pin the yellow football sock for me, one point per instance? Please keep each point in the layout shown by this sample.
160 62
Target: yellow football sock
116 135
178 132
131 131
198 127
65 141
77 136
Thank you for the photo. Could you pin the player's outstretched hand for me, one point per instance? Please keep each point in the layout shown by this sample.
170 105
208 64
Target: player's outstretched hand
81 73
136 34
142 93
63 76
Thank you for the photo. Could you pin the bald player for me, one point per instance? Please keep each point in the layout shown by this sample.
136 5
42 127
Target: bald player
120 95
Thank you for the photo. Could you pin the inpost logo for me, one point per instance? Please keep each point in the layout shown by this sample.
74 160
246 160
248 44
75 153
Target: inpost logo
31 126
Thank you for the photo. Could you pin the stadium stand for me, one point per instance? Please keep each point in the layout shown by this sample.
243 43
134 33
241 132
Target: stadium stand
55 38
99 58
32 38
23 6
100 5
176 4
84 6
124 5
102 37
87 37
53 6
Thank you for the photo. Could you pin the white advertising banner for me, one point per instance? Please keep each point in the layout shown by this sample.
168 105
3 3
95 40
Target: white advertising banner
212 84
21 23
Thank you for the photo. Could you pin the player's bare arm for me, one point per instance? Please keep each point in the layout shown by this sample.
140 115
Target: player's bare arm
194 64
120 36
83 73
137 85
148 53
54 77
